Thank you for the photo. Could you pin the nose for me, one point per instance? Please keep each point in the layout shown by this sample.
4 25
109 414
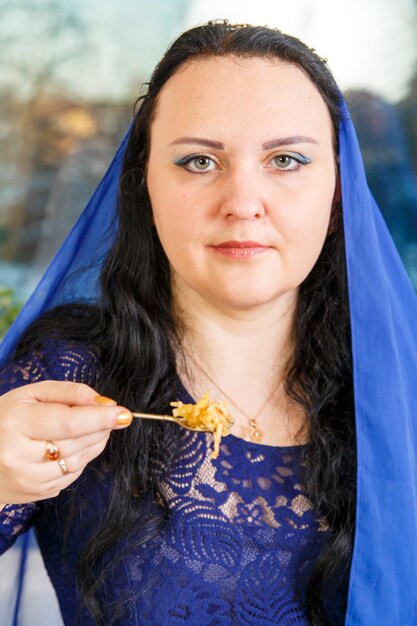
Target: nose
242 196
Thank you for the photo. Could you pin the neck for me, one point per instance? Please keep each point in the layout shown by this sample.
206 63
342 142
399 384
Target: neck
238 347
241 355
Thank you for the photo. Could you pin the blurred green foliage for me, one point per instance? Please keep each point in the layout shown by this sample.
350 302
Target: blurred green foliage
9 308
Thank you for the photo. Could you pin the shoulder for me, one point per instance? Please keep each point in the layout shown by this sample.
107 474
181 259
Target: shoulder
63 359
58 346
53 359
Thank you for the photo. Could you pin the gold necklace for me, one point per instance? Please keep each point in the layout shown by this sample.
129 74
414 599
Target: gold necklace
254 433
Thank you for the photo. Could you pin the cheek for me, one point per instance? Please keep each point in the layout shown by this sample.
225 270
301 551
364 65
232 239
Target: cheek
305 226
174 217
177 214
177 209
178 228
313 224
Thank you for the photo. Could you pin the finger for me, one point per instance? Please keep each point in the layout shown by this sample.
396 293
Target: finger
52 488
74 465
77 462
46 421
41 478
64 392
35 451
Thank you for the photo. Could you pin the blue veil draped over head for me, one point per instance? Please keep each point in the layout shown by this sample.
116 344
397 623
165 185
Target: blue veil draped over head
383 309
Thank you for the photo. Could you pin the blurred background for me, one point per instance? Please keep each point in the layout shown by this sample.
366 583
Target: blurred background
70 73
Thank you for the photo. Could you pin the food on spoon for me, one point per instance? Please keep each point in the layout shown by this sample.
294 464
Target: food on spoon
212 416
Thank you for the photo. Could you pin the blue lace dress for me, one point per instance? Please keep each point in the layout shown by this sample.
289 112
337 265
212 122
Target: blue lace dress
238 547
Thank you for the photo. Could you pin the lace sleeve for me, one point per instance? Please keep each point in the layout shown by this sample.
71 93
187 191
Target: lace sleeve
57 360
15 519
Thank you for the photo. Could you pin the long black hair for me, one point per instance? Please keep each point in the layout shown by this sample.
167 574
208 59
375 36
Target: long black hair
136 338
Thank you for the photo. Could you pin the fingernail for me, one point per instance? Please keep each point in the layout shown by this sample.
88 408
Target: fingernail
124 418
104 400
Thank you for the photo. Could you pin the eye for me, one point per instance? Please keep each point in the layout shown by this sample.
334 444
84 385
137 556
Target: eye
197 163
289 162
283 161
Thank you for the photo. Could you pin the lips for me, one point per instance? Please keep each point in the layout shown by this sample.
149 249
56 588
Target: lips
240 244
240 249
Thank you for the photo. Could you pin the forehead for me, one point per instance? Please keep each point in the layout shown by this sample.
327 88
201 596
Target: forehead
241 95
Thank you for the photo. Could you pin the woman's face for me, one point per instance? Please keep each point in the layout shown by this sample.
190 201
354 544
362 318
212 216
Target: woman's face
241 177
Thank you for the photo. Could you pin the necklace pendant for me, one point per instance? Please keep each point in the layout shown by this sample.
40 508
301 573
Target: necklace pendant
255 433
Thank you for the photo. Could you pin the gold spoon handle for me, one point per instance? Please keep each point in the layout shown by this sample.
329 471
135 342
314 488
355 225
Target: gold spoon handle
170 418
153 416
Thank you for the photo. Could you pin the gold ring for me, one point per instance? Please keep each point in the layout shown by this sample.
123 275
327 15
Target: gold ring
64 467
52 451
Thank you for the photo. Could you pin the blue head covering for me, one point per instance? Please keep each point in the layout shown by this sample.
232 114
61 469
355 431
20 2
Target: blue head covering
383 308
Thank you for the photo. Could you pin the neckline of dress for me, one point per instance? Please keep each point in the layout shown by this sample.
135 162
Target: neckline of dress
187 398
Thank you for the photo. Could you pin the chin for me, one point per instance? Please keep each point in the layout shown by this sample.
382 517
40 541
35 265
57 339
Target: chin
248 299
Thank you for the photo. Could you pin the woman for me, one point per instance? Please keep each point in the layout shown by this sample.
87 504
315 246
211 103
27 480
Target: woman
228 273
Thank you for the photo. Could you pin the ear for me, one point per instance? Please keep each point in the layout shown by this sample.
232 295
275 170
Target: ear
336 214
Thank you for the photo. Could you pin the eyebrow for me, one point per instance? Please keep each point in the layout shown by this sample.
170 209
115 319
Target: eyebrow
286 141
268 145
209 143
